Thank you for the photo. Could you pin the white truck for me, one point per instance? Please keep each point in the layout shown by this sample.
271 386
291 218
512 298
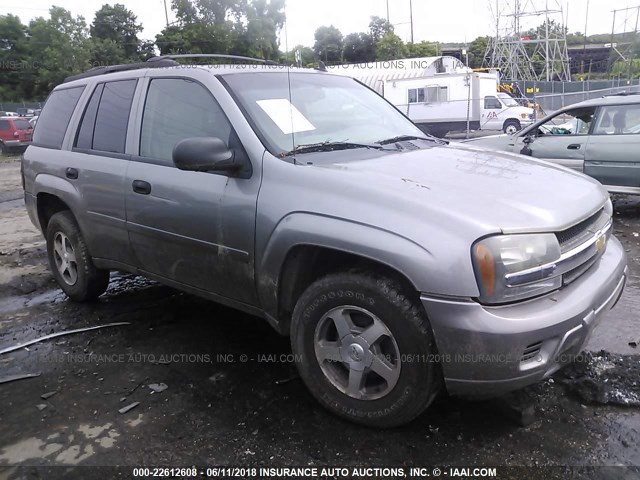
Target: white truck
441 94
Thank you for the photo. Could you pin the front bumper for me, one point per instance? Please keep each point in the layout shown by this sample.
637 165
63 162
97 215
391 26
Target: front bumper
487 351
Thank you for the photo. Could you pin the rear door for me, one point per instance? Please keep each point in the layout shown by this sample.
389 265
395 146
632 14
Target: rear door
98 167
613 151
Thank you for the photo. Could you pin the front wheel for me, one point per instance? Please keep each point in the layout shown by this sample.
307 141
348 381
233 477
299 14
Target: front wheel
70 261
511 126
365 350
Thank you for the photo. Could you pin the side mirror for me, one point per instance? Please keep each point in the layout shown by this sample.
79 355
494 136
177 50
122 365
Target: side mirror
204 154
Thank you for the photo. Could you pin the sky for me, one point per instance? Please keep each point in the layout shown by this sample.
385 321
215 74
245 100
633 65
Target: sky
443 21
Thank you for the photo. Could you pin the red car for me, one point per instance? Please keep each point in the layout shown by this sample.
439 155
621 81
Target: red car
15 134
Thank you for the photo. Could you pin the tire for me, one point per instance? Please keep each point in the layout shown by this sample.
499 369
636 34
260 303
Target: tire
511 126
411 379
3 149
70 261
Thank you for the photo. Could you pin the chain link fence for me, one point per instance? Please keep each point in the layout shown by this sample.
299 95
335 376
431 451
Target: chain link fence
552 96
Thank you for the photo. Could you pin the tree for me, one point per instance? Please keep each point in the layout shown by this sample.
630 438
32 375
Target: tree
265 20
307 56
329 44
390 47
477 50
359 48
378 28
57 47
422 49
117 25
12 51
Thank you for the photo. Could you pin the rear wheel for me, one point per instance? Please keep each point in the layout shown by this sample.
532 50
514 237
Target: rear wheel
3 149
70 261
365 349
511 126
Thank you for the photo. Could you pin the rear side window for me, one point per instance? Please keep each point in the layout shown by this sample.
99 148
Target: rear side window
22 124
112 118
55 116
4 125
85 132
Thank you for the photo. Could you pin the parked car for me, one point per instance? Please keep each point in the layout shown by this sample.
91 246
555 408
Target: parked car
15 134
599 137
8 114
398 265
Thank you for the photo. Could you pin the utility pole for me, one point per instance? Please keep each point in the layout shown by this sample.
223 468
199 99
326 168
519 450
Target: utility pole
388 12
166 15
411 17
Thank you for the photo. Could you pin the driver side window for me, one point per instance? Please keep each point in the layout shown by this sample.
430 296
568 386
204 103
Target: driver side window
176 109
571 122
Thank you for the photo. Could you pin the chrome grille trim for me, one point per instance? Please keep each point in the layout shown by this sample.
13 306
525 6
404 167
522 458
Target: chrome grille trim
568 261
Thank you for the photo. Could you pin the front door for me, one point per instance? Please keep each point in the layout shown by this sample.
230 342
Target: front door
196 228
561 139
492 107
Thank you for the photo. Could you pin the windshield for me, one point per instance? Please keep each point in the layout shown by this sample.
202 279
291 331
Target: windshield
508 100
318 108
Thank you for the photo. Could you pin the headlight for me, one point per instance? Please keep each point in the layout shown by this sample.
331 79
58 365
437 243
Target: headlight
508 267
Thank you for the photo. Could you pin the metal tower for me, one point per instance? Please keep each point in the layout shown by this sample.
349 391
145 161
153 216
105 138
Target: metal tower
624 34
530 42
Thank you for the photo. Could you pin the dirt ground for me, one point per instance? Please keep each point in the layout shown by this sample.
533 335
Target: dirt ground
233 396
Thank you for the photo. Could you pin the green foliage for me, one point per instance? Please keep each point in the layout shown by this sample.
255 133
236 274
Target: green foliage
390 47
58 47
13 49
118 25
422 49
329 44
359 48
379 27
476 51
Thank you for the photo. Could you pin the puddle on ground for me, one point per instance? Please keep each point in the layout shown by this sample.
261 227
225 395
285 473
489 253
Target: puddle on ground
63 448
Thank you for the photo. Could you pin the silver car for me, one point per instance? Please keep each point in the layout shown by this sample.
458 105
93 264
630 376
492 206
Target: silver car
599 137
397 264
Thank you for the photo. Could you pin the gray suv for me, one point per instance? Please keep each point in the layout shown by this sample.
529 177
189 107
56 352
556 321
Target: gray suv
398 265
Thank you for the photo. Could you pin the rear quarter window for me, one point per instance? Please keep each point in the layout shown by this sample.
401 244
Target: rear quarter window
22 124
55 116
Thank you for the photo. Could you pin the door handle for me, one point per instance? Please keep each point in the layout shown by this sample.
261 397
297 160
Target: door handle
71 173
141 187
574 146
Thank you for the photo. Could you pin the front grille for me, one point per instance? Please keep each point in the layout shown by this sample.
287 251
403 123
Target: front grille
576 236
531 352
581 232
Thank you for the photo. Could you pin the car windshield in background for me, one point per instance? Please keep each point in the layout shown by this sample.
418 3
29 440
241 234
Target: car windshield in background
316 109
508 100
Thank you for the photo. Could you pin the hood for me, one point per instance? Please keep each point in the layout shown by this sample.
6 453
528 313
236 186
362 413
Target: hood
501 142
495 191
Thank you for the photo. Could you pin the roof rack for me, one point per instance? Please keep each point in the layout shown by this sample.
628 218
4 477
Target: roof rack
211 55
160 62
121 68
622 94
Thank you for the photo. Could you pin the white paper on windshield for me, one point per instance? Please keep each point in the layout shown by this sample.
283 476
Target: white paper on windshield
285 115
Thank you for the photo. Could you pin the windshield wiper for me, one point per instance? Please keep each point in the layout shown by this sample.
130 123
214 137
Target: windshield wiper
404 138
329 146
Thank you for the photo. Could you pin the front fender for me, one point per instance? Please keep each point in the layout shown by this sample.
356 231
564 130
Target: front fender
391 249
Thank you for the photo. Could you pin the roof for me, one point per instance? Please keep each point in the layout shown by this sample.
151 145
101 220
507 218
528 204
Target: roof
169 61
618 99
